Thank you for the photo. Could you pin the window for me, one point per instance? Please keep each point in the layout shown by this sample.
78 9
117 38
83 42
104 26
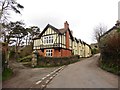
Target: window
48 39
44 39
48 52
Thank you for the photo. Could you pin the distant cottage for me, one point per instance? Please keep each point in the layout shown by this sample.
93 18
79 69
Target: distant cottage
53 42
113 31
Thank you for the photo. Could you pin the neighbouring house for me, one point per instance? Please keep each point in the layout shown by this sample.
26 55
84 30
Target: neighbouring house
87 50
79 48
109 46
75 46
53 42
110 43
111 32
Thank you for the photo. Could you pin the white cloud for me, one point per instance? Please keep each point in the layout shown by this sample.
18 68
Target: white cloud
82 15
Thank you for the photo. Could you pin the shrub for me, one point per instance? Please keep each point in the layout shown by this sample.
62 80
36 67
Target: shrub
111 53
56 61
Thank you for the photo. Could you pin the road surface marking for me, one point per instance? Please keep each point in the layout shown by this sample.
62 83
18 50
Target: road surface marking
47 81
54 75
51 77
48 75
38 82
43 78
55 71
43 86
51 73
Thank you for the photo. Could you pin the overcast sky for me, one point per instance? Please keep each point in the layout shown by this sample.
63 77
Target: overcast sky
82 15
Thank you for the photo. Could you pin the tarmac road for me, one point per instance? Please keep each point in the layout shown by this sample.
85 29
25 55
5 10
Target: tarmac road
84 74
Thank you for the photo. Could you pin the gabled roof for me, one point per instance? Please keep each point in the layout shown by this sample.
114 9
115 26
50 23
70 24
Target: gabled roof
62 30
76 40
80 40
83 42
86 44
113 28
49 26
70 34
59 31
117 25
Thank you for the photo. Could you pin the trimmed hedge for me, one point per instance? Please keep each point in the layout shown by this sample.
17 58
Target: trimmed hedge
51 61
56 61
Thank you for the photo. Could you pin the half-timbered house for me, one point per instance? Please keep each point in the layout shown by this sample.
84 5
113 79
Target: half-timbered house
53 42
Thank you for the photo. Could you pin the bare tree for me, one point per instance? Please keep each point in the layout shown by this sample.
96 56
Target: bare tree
5 7
99 31
9 5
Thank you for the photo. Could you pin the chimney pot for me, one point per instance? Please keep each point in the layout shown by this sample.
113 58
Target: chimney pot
66 25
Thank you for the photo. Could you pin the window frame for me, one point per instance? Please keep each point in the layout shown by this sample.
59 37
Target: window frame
48 39
49 52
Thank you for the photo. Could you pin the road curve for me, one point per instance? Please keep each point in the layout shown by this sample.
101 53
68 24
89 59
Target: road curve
84 74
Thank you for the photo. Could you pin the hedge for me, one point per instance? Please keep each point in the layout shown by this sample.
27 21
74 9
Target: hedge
56 61
51 61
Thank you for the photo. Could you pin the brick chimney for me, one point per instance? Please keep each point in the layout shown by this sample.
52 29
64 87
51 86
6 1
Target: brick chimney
66 25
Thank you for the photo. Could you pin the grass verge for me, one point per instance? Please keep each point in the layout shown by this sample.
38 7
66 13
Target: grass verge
114 69
7 73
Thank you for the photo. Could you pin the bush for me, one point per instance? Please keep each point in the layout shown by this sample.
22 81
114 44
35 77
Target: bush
111 53
56 61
